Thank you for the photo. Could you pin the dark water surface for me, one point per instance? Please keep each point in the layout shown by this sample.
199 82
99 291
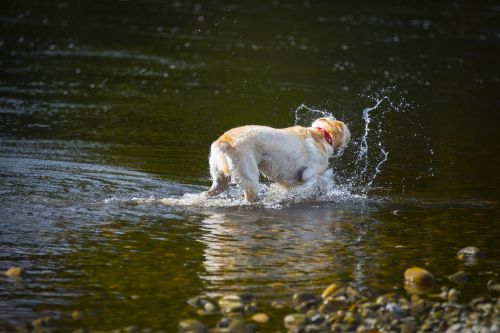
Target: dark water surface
108 108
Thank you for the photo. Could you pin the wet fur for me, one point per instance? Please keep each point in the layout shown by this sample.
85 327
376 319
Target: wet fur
288 156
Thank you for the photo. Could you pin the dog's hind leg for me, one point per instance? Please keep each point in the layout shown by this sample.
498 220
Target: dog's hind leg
219 171
248 177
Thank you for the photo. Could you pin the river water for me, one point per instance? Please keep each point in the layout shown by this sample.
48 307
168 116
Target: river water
108 109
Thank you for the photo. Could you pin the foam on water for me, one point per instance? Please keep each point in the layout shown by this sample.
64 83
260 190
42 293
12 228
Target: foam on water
271 195
353 171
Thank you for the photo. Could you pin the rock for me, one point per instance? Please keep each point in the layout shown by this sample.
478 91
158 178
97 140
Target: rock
224 322
40 322
131 329
260 318
77 314
304 301
295 320
196 302
231 304
317 319
14 272
493 286
209 307
394 308
235 325
419 276
192 326
329 290
387 298
409 325
417 306
364 329
278 304
314 329
470 255
278 285
469 251
453 295
459 277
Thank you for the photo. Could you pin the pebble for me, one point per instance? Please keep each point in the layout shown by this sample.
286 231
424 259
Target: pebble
278 285
470 255
278 304
295 320
209 307
409 325
231 304
419 276
453 295
192 326
493 286
304 301
77 314
469 251
260 318
15 272
329 290
459 277
40 322
131 329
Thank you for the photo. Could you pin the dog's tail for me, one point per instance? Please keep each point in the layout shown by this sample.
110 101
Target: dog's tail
219 168
224 142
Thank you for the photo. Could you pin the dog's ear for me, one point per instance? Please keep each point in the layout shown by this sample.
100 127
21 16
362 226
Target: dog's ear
343 134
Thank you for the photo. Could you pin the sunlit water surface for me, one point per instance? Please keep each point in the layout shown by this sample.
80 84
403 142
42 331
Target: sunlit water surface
107 111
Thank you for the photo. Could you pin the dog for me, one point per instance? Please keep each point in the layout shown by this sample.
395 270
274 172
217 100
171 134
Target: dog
288 156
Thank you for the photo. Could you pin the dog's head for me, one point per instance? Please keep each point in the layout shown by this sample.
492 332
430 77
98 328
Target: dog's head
337 129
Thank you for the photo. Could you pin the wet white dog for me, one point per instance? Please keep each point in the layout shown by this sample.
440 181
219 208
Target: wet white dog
289 156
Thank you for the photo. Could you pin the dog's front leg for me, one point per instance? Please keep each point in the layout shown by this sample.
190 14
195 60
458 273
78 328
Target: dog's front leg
312 172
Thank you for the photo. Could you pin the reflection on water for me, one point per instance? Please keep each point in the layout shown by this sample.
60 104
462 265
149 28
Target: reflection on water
107 111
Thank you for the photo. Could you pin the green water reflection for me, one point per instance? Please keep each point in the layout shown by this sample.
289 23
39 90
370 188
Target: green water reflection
102 102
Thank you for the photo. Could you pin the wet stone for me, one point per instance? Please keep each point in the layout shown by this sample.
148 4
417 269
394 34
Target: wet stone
317 319
493 286
453 295
314 329
77 314
470 255
192 326
295 320
409 325
304 301
329 290
131 329
469 251
224 322
236 325
278 304
41 322
209 307
459 277
419 276
352 294
197 302
260 318
231 304
14 272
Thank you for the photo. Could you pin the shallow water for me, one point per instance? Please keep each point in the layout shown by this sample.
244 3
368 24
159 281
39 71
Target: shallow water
107 111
